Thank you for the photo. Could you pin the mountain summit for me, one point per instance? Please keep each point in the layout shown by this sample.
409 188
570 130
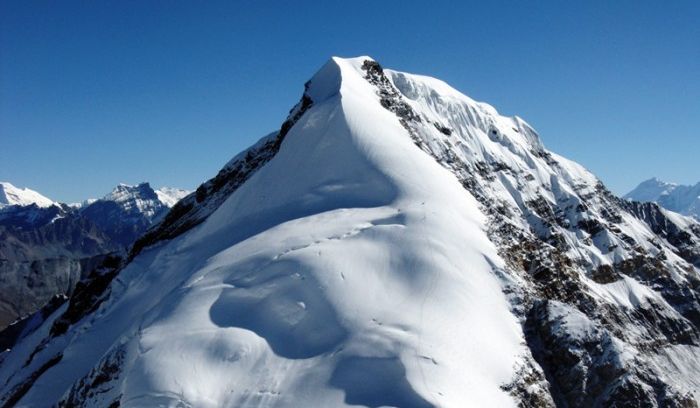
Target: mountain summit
128 210
395 243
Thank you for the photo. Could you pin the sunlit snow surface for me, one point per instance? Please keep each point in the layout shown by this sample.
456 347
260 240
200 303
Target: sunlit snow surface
351 269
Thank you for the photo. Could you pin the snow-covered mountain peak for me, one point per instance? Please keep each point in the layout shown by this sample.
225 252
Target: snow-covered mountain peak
129 210
650 190
325 82
138 199
394 244
169 196
11 195
82 204
124 192
683 199
433 101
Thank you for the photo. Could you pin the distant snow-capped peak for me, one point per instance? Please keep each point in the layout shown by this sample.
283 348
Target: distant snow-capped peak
139 198
11 195
169 196
650 190
683 199
123 192
82 204
166 196
140 195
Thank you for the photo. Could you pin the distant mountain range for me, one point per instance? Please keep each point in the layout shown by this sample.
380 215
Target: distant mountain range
46 247
675 197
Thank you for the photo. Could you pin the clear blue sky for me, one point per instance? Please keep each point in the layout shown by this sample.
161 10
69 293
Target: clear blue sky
93 93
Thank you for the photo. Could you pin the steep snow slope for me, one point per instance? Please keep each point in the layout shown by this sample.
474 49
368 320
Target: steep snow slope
394 244
11 195
679 198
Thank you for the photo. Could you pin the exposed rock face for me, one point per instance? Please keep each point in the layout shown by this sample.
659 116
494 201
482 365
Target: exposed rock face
96 388
605 292
46 258
682 234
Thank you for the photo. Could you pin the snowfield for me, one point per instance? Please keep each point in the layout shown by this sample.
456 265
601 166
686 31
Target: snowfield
351 269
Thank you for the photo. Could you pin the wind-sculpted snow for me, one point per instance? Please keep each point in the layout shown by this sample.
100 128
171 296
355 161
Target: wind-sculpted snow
393 244
285 307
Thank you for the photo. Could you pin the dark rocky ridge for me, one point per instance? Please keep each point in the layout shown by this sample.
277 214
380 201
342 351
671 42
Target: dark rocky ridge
196 207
